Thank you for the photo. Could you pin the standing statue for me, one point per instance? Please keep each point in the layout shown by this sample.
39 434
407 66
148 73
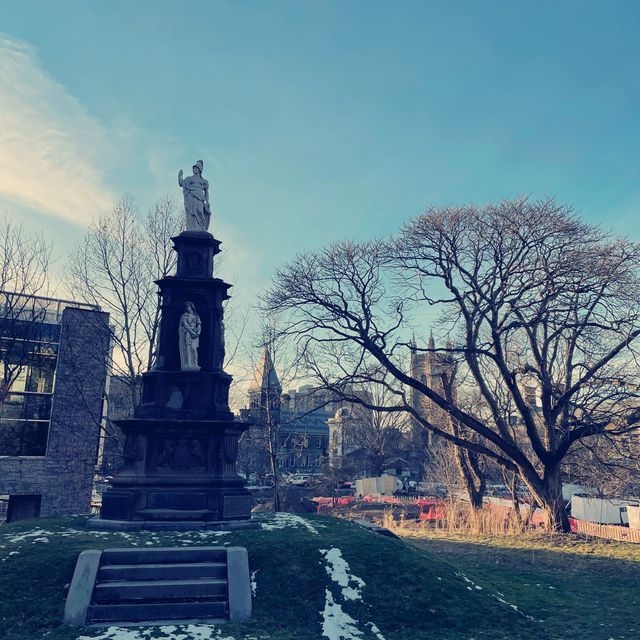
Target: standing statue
196 199
189 338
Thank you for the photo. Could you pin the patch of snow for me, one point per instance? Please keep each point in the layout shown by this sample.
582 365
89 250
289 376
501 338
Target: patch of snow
376 632
336 623
338 569
168 632
36 533
498 596
283 520
254 584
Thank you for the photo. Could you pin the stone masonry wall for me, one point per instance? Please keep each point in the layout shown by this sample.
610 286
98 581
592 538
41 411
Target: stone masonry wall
64 477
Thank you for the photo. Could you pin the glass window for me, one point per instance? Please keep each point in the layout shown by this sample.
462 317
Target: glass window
23 438
28 354
26 406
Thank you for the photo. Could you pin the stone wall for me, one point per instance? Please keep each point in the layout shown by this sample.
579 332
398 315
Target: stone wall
64 477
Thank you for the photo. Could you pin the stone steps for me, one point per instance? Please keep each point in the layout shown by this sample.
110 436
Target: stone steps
163 611
163 555
159 590
163 583
173 515
133 585
167 571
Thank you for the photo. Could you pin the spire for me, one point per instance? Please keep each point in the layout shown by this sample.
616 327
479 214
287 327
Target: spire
432 342
266 377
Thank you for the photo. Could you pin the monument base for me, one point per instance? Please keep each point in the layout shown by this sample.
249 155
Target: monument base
99 524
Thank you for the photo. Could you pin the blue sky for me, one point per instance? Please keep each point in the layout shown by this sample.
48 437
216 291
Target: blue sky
316 120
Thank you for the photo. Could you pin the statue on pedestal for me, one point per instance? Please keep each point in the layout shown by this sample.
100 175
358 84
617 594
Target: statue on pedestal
189 338
196 199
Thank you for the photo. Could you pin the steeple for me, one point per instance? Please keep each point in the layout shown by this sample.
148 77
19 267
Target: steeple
432 342
265 378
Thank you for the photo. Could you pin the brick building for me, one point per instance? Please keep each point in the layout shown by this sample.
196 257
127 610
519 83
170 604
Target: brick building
51 410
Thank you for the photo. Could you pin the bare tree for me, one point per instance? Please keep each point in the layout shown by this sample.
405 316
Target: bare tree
543 311
114 267
608 467
24 285
378 438
262 444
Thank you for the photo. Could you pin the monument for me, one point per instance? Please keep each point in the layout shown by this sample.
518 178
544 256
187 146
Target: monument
181 444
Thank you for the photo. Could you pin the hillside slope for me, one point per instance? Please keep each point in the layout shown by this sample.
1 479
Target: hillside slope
313 577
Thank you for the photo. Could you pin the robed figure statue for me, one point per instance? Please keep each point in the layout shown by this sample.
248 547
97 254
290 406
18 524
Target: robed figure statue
196 199
189 338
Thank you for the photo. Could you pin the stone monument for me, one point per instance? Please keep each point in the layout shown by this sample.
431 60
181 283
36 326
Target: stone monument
181 443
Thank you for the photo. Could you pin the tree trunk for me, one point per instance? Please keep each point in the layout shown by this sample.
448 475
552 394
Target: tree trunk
472 477
276 484
557 519
548 492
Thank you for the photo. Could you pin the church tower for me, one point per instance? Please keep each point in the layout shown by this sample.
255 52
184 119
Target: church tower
265 390
432 368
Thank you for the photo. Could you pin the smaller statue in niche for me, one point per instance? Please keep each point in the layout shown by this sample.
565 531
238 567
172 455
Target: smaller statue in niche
189 338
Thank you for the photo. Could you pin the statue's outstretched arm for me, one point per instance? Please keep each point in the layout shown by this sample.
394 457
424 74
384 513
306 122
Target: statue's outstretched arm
180 174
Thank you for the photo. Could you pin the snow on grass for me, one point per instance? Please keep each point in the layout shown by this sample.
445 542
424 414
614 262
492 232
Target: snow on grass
283 520
375 631
336 623
37 535
498 596
150 538
338 570
167 632
253 583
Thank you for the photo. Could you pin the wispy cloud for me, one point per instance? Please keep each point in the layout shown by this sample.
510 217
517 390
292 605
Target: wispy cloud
50 147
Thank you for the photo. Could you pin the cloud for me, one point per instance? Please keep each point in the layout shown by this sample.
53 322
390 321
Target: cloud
50 147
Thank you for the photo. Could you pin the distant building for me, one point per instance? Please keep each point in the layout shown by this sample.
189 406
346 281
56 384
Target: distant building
301 415
50 413
431 368
362 444
345 452
120 405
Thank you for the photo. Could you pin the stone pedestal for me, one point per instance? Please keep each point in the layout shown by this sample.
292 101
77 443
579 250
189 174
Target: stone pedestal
181 444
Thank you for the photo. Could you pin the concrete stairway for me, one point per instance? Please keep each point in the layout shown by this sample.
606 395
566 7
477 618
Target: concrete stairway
160 584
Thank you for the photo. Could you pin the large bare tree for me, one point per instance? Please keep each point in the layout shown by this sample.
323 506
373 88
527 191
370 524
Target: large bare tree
543 311
115 266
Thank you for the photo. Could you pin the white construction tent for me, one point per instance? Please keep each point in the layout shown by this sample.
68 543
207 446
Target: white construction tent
603 510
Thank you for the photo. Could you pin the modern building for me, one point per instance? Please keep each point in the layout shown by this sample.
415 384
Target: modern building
54 366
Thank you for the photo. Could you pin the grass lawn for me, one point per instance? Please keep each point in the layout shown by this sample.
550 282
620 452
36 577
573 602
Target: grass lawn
390 590
582 588
435 588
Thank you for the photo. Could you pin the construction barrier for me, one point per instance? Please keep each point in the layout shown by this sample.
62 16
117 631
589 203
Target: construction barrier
607 531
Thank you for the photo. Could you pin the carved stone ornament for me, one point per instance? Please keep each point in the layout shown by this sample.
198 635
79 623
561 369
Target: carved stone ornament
182 454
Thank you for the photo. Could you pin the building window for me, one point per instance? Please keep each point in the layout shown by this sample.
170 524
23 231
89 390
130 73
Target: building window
28 354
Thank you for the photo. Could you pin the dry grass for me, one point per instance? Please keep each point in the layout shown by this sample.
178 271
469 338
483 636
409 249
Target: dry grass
462 519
